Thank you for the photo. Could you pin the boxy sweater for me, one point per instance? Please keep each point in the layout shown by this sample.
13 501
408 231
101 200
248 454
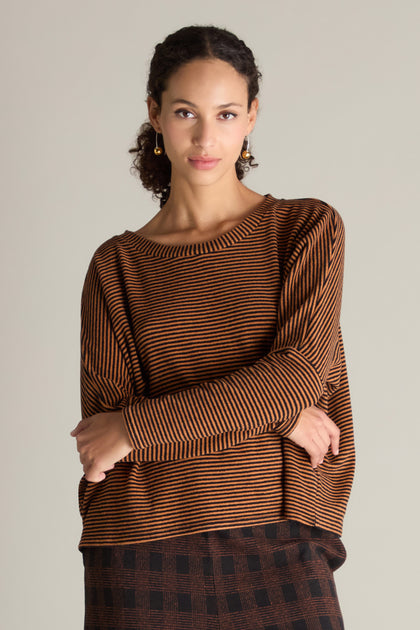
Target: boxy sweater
212 350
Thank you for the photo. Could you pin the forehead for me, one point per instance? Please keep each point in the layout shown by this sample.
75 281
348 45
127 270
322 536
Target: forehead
207 79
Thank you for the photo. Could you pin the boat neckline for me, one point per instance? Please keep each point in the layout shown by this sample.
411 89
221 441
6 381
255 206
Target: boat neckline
223 240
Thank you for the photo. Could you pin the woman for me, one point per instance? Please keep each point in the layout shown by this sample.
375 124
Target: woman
216 437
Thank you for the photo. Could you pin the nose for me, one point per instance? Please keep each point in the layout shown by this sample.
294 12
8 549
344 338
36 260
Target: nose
204 134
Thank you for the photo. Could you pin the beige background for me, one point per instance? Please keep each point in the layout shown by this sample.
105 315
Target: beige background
339 121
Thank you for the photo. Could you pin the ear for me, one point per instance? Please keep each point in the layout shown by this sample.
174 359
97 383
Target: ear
252 115
154 113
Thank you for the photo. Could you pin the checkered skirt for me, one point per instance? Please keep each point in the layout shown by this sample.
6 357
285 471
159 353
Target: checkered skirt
277 576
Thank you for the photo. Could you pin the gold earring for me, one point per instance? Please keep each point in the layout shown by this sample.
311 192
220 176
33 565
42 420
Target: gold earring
157 150
246 154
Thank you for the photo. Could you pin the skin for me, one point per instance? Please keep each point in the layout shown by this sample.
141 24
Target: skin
202 203
196 123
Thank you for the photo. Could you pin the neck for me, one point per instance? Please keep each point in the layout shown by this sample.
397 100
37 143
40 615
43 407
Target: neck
203 208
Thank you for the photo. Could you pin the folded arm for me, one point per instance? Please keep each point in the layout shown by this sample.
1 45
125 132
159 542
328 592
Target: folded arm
288 379
271 392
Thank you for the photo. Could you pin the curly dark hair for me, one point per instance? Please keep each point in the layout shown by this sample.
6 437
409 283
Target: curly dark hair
187 44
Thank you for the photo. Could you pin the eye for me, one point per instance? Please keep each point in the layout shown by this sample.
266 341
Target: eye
184 113
228 115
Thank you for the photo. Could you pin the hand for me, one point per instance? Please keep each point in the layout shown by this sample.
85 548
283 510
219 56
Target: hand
102 440
314 432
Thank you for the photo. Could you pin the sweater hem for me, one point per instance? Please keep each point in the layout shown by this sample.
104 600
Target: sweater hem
111 540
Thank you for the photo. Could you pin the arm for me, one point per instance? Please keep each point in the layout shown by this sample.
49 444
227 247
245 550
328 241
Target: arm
106 379
105 384
278 387
111 379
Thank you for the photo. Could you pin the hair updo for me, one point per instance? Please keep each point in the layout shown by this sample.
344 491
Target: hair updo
187 44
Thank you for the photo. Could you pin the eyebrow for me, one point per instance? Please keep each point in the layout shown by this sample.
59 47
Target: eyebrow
224 106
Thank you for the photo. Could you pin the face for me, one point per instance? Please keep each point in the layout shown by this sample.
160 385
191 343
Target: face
204 119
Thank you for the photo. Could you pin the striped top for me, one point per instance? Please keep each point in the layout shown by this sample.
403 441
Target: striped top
211 350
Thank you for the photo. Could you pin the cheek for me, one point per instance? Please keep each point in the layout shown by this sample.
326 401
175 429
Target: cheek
234 138
171 135
237 131
178 141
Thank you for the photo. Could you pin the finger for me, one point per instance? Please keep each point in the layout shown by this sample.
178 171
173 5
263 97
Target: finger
335 440
96 478
315 460
314 454
94 475
320 450
86 461
331 430
322 438
322 442
334 435
77 429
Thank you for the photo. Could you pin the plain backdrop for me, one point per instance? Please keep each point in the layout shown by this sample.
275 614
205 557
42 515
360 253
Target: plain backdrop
339 120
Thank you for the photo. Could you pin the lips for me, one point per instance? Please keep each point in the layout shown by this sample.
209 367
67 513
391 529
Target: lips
203 163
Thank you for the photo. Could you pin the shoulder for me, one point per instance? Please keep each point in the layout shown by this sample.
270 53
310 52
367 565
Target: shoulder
305 215
108 251
306 208
106 262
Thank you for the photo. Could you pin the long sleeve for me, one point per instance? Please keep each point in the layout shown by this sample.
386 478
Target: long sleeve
290 377
110 379
211 351
106 383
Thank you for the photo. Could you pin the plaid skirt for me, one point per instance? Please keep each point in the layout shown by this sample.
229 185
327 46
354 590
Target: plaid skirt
277 576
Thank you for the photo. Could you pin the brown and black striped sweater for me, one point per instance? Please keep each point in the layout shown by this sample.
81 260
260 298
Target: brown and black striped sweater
212 350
